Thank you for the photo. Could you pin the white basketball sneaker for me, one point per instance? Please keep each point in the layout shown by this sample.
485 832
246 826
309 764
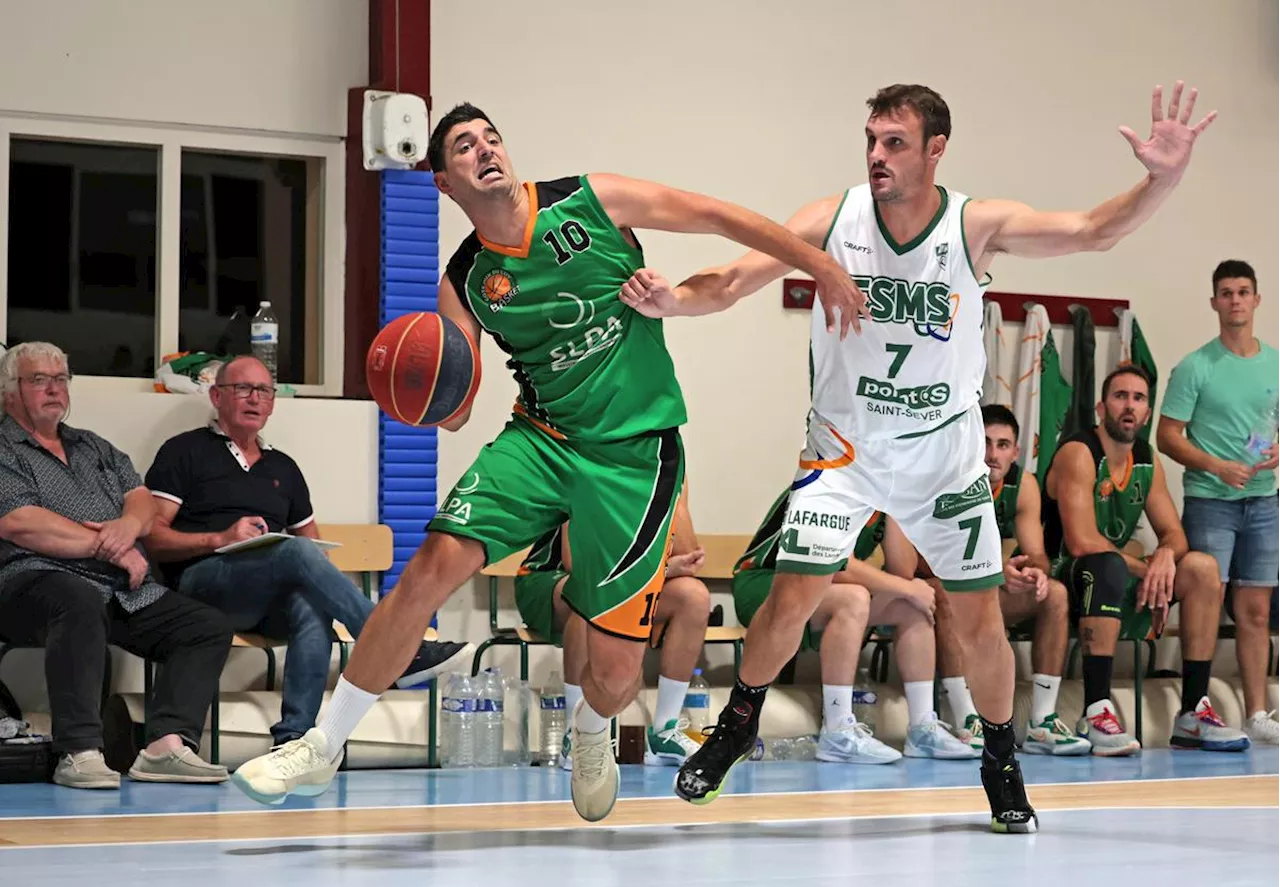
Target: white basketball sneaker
594 783
301 766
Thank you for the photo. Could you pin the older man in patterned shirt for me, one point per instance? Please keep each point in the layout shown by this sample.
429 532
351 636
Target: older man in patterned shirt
74 578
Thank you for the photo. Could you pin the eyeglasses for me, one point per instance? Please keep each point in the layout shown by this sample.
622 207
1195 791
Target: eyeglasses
242 390
46 381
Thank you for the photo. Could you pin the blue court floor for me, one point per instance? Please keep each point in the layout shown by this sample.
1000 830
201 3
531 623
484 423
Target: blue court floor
179 831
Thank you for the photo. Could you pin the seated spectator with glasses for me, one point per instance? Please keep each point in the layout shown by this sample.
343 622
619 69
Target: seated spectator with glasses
74 579
221 484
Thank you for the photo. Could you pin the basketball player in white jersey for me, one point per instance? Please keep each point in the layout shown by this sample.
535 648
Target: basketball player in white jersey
895 424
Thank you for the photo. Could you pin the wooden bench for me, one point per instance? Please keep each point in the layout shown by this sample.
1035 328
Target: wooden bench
722 551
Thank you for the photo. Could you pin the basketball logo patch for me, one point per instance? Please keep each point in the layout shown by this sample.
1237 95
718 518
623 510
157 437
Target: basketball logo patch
499 288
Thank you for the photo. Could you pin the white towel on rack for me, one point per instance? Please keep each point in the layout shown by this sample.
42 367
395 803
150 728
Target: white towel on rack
995 386
1026 388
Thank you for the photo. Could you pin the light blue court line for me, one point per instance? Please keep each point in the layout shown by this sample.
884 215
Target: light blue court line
1235 846
415 788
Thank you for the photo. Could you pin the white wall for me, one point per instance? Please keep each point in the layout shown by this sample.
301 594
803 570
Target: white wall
763 104
282 65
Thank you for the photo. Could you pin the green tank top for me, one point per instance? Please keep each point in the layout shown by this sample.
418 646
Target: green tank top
1006 500
1117 507
587 366
762 551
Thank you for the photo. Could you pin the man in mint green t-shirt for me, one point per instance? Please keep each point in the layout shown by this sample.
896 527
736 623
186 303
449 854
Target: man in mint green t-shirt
1218 419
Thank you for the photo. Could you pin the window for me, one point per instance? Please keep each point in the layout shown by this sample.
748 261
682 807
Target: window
82 252
246 225
125 243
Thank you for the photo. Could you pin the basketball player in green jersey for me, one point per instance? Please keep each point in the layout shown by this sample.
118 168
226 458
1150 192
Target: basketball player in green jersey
859 595
894 423
1028 595
595 440
1100 482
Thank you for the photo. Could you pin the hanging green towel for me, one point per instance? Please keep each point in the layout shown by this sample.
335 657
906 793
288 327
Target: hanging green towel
1055 403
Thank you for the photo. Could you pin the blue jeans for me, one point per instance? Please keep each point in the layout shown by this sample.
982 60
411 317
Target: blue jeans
289 590
1242 534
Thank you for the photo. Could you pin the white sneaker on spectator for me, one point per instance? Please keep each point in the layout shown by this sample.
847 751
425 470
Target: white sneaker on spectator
850 742
1101 727
934 739
1203 729
1262 728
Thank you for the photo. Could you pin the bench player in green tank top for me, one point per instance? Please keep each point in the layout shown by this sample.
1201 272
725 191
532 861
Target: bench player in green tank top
902 401
1028 595
860 595
595 439
1100 482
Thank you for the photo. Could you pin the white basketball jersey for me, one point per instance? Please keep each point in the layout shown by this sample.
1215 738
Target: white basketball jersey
920 362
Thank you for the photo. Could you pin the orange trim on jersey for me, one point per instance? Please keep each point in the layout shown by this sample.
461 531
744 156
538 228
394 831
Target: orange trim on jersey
519 410
1121 484
845 458
995 494
875 516
395 407
522 251
625 618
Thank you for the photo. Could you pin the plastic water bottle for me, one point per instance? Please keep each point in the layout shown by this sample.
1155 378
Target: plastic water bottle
1264 431
697 702
515 731
551 719
458 717
264 336
489 719
864 701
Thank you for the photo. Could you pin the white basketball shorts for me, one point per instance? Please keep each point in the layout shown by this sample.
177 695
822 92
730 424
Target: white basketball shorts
934 485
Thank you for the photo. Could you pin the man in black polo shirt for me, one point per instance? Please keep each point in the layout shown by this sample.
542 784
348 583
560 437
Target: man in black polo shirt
73 579
221 484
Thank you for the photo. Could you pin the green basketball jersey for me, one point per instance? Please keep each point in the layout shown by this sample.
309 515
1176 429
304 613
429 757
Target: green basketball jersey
1117 506
588 367
1006 500
762 551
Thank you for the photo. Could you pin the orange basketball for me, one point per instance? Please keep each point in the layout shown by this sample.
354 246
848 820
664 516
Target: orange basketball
423 369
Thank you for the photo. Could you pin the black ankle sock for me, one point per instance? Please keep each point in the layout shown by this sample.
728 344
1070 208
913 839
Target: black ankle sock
997 739
1096 671
744 703
1195 683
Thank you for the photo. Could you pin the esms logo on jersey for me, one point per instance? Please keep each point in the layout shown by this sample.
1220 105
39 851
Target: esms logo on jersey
499 288
928 307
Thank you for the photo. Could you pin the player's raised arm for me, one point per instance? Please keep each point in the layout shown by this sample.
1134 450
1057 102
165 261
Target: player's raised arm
633 203
1005 226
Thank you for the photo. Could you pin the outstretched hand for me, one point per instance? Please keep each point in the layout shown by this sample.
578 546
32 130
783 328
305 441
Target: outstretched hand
1168 150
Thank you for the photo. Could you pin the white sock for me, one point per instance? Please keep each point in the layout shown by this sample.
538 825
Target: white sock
572 693
347 707
837 706
1044 696
670 701
590 722
958 699
919 702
